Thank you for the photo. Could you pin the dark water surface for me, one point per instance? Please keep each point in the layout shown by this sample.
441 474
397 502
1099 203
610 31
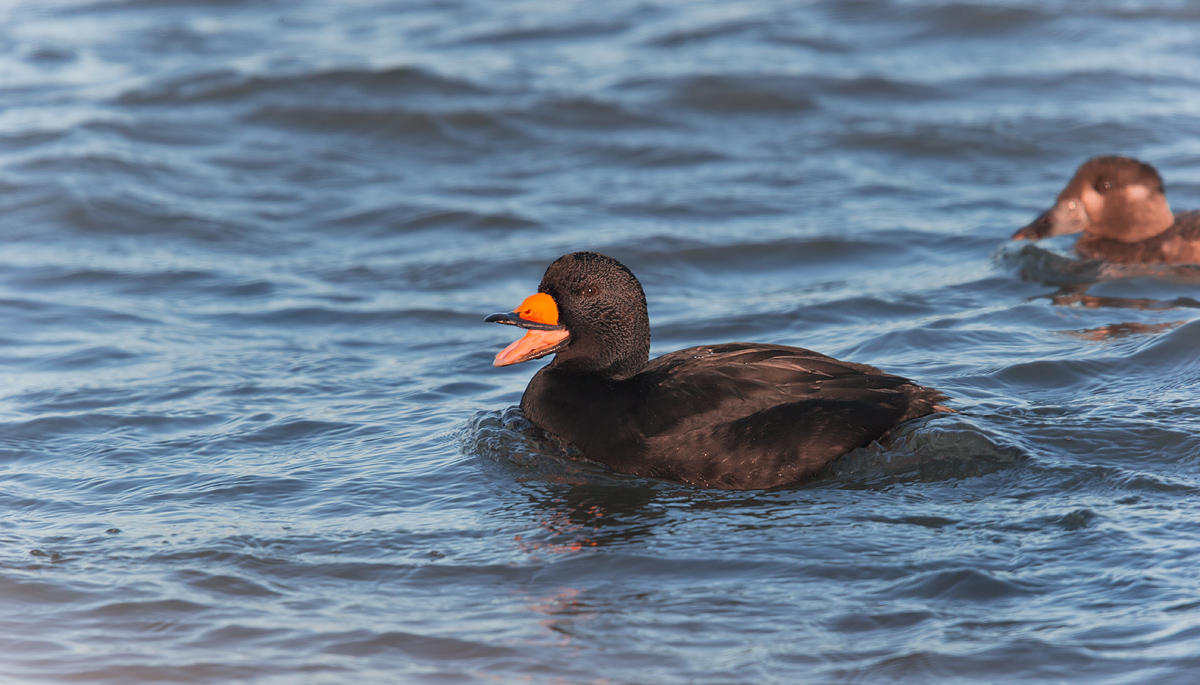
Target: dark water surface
249 429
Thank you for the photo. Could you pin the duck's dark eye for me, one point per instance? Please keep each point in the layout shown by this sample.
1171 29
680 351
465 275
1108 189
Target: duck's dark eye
1102 186
588 291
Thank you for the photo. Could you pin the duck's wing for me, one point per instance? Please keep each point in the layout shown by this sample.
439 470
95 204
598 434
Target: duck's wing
1179 244
1186 227
739 379
749 413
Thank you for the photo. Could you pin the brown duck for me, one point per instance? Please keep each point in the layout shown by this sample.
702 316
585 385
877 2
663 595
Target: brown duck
1119 205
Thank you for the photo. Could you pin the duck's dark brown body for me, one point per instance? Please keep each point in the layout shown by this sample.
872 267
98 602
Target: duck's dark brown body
1179 244
732 416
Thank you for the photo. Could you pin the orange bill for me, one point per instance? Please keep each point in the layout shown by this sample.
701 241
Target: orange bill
532 345
539 315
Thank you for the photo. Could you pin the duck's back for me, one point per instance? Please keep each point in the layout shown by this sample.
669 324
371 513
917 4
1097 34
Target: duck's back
736 416
1179 244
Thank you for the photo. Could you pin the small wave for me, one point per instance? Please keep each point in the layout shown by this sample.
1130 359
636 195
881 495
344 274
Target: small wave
138 214
405 219
335 315
152 129
874 87
733 94
441 220
424 128
1134 481
102 422
933 449
22 140
797 253
425 648
43 312
1075 276
1072 82
1037 262
659 156
445 272
524 34
916 452
960 584
180 283
101 356
702 34
980 19
52 54
109 5
771 27
583 112
940 139
110 165
711 208
506 438
301 430
227 85
744 95
1175 350
1054 376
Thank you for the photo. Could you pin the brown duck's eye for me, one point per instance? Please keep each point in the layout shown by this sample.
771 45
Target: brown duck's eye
1102 186
588 291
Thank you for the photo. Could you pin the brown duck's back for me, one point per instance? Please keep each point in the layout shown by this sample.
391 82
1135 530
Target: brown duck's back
1179 244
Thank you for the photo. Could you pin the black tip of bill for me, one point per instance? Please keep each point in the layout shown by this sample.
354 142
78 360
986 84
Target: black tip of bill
513 319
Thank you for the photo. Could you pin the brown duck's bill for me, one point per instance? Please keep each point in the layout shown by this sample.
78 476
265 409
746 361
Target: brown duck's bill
540 340
1041 227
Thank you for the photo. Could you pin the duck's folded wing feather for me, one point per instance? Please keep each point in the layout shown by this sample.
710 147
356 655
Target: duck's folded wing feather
784 412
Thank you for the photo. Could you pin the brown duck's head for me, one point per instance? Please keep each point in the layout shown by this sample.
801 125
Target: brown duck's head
590 311
1118 198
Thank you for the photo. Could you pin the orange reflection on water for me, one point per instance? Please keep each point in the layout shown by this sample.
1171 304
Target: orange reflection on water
565 531
1114 331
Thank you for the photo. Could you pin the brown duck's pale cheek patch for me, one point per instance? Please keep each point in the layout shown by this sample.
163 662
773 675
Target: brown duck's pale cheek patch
532 345
1137 192
1093 202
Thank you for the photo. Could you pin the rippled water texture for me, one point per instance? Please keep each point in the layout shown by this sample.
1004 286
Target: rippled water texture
249 429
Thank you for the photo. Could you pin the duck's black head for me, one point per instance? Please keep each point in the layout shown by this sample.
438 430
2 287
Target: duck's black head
590 311
1118 198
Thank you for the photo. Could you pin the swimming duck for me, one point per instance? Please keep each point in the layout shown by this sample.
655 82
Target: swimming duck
1119 205
734 416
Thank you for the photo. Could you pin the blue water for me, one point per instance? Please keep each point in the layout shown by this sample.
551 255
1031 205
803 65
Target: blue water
250 430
